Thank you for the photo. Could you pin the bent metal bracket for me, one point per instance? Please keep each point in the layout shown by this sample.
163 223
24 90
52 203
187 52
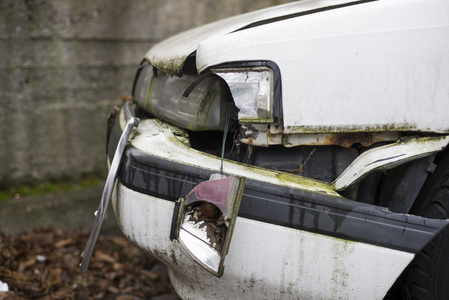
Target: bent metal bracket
131 122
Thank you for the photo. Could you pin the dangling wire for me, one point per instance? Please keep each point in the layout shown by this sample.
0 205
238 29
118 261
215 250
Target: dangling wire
228 118
233 143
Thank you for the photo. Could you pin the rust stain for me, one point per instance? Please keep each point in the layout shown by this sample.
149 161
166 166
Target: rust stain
348 139
271 137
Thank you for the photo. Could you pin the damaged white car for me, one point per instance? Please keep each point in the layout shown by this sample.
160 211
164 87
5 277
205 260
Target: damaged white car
296 152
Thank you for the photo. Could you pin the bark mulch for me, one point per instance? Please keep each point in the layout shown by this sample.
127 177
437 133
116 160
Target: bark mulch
44 264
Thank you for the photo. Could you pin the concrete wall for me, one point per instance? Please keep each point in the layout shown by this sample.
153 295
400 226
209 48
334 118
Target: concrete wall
65 63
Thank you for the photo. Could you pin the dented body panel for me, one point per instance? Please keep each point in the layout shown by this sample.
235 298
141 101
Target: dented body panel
389 156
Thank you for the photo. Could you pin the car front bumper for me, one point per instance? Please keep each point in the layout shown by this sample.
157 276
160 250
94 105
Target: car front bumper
294 237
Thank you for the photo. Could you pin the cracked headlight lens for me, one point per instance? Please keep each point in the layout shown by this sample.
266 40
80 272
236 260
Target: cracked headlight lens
252 90
162 95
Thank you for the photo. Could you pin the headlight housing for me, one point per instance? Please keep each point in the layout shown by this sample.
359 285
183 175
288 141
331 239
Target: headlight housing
162 95
199 102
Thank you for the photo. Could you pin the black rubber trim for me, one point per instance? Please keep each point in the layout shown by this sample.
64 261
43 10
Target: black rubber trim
142 64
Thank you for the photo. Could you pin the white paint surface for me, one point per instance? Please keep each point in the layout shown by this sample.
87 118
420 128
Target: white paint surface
264 261
381 65
169 55
388 157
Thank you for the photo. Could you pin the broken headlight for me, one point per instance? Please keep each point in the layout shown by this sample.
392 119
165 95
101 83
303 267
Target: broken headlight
198 103
252 90
164 96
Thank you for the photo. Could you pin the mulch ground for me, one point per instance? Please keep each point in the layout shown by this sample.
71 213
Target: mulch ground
44 264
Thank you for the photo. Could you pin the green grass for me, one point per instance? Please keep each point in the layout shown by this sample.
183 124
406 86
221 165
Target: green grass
47 188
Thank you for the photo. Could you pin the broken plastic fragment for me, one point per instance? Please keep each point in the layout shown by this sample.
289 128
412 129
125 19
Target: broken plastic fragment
207 218
40 258
215 191
4 287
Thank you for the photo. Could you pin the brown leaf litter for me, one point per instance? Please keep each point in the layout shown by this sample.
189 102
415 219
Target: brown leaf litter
44 264
216 225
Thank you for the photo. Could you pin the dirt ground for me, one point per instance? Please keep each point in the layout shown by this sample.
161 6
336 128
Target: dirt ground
44 264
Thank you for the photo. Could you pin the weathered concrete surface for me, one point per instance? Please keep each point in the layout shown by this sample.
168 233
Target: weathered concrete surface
63 64
65 210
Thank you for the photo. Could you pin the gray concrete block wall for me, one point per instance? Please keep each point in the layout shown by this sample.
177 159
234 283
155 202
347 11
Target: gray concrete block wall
64 64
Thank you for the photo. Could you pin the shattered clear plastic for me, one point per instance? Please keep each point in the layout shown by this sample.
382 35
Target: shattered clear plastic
252 91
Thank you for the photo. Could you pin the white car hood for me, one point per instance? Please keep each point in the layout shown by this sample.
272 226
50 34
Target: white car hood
373 67
169 55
